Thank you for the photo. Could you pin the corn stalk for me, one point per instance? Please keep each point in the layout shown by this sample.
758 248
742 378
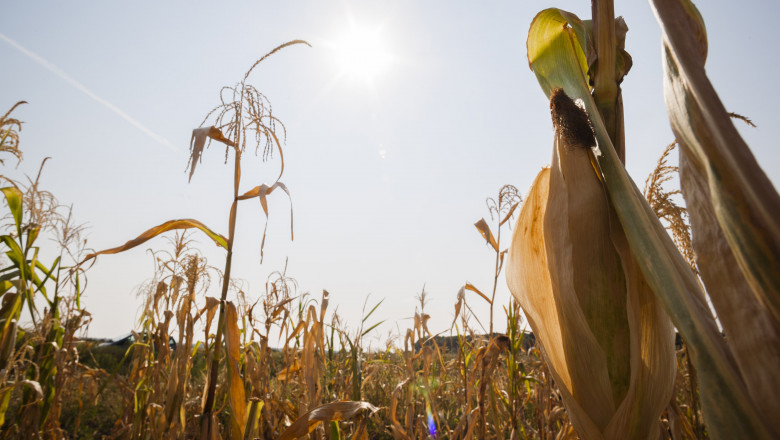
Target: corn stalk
563 55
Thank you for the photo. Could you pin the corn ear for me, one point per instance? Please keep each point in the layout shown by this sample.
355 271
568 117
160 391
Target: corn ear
606 339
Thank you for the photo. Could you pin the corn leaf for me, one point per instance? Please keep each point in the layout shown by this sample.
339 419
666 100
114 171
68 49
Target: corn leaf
744 199
157 230
733 208
261 192
336 411
753 334
198 143
486 233
471 287
13 197
236 394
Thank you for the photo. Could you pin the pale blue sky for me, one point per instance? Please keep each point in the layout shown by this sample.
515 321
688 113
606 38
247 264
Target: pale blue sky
387 177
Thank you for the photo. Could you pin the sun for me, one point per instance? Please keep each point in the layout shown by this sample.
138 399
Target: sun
362 54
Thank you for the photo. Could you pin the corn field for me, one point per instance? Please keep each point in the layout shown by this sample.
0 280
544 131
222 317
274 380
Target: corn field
612 332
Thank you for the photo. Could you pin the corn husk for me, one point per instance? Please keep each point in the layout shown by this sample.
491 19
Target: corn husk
556 52
608 342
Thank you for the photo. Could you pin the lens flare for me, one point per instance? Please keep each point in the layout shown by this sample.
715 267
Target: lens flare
431 422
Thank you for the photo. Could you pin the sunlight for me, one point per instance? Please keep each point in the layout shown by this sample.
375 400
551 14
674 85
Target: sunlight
361 54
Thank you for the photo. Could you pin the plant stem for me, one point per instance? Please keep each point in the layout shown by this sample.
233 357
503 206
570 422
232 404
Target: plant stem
208 405
606 92
497 270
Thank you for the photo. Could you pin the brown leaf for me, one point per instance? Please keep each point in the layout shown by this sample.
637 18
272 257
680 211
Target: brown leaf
236 393
288 371
509 214
484 229
198 142
337 411
261 192
471 287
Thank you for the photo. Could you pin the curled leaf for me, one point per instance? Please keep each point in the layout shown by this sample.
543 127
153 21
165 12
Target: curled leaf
261 192
330 411
487 234
198 143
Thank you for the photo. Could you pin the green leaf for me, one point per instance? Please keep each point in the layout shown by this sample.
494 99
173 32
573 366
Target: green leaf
219 239
373 310
556 43
14 199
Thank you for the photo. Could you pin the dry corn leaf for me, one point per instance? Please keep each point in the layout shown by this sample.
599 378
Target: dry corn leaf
734 212
212 304
330 411
288 371
471 287
236 393
157 230
198 143
261 192
486 233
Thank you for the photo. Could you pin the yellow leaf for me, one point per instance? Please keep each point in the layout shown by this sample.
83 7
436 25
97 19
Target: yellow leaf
236 393
330 411
157 230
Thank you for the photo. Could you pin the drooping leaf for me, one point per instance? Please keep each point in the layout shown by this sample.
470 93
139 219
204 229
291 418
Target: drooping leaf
509 214
337 411
198 143
262 192
170 225
471 287
486 233
287 372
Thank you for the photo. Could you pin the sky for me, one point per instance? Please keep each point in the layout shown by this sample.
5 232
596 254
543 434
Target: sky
390 151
